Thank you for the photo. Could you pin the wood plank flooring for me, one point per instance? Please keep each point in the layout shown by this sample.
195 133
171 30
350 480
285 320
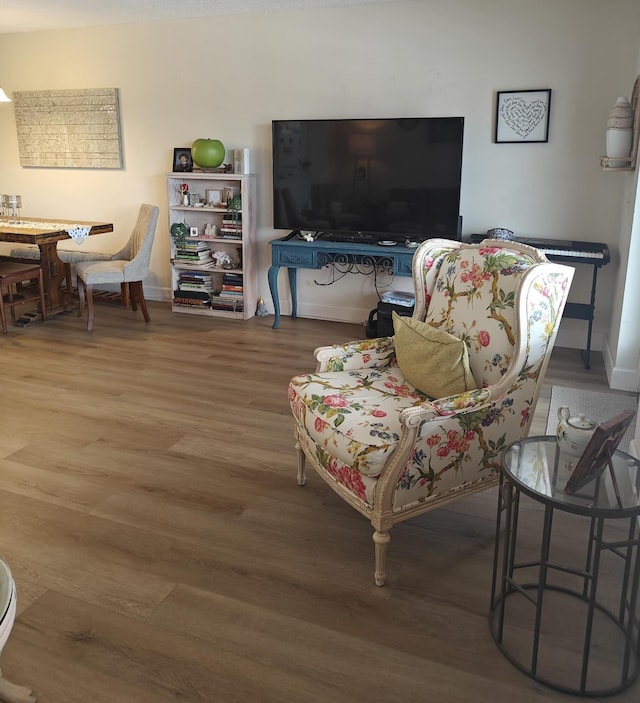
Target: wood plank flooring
163 550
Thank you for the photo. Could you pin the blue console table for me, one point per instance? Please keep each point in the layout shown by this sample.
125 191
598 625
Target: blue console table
363 258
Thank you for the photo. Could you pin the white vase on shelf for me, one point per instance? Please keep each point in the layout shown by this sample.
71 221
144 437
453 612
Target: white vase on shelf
620 133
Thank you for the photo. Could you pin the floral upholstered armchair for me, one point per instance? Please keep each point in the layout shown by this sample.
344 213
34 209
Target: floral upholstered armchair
394 450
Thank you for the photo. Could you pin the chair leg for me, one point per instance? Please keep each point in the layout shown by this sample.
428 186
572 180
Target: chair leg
13 693
81 296
3 316
12 305
137 294
43 305
381 540
125 296
89 295
302 478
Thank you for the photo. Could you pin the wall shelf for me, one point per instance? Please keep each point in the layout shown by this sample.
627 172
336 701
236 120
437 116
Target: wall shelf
629 164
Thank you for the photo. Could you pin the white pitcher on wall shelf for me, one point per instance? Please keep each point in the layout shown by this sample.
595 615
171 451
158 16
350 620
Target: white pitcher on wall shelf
620 132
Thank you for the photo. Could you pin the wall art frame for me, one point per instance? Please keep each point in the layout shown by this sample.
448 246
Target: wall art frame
77 128
597 455
522 116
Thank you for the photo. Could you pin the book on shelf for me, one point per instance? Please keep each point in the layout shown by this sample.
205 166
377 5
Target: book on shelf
188 287
191 302
194 265
200 295
203 254
194 276
194 280
232 306
197 244
195 262
233 289
193 250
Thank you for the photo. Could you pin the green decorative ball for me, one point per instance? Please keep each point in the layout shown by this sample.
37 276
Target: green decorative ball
207 153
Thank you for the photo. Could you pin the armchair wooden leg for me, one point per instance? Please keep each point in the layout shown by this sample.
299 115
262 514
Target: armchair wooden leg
302 478
11 693
381 540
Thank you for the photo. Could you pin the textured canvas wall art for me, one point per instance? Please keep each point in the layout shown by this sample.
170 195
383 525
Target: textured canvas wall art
69 128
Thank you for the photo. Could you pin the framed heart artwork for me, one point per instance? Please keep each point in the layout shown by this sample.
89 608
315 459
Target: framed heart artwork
522 116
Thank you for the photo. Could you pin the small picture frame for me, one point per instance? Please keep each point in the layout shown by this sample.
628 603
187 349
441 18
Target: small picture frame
228 193
194 199
597 455
193 231
214 197
522 116
182 161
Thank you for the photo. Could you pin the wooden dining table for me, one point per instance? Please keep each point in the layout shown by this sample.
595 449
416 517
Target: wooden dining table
46 234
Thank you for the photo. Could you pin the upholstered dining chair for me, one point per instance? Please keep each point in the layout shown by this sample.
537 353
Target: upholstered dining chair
400 425
12 276
128 267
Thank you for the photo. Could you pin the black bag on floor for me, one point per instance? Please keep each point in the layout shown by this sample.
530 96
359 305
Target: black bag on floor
380 322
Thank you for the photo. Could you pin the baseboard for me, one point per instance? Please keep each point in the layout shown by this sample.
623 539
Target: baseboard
342 313
620 379
572 335
157 293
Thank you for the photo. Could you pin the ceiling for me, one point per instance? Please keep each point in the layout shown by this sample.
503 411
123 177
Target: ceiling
42 15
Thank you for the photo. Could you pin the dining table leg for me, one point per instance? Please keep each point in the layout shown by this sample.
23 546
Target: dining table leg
54 273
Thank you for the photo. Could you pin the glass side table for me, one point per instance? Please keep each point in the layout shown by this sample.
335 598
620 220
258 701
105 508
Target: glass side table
564 598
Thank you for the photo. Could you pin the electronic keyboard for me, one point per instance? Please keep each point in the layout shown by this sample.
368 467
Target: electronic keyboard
567 250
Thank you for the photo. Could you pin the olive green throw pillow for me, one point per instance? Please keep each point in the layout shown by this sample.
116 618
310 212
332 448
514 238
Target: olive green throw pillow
432 360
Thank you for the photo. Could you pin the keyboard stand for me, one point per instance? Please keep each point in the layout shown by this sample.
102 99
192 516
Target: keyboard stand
583 311
575 311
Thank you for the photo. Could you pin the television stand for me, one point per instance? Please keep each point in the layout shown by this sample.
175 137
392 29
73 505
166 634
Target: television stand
294 254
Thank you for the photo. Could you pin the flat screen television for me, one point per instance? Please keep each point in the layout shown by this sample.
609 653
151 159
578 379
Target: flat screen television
378 179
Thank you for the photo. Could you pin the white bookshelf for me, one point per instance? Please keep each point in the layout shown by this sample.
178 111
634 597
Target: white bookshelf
199 288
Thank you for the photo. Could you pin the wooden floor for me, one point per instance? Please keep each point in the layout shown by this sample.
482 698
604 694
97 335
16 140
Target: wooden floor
163 550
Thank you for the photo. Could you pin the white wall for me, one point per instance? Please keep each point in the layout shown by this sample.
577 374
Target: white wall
228 77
